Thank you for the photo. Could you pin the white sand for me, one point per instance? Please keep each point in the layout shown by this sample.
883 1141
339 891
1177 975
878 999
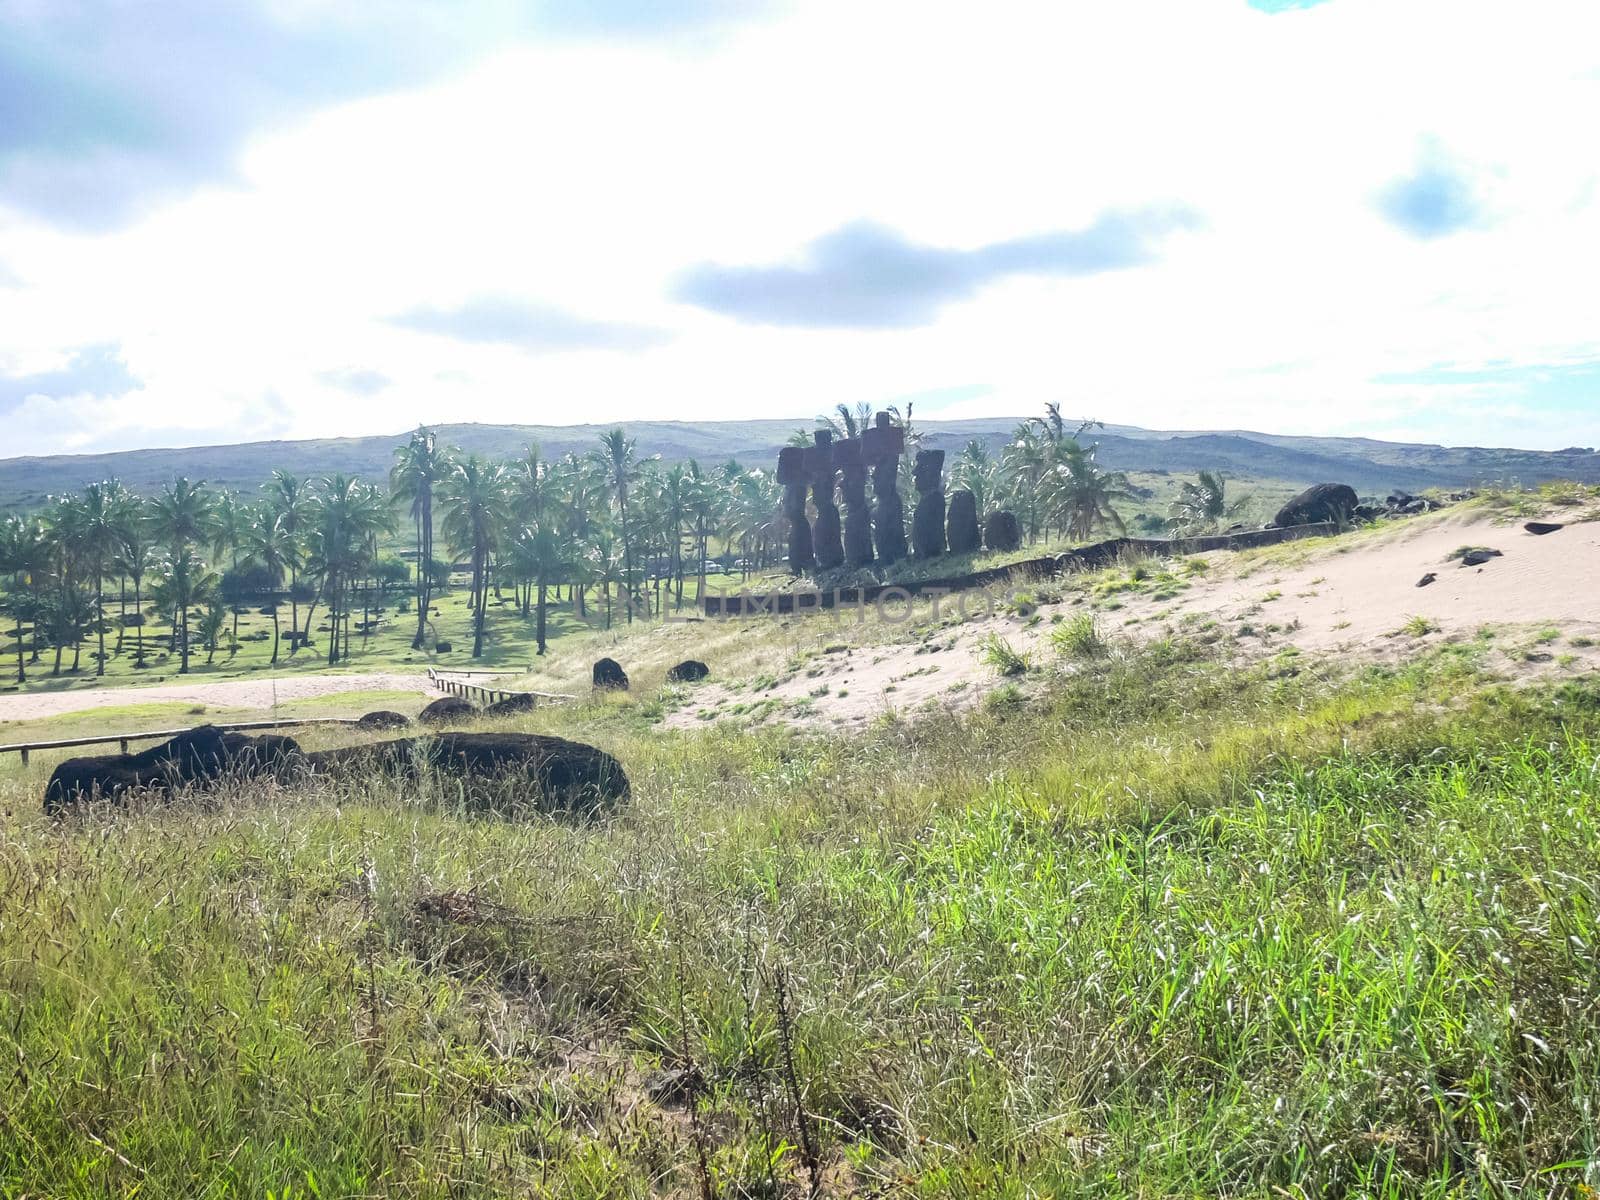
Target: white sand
1351 597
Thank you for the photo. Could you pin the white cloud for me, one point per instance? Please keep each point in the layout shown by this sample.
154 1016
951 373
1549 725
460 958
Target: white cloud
584 178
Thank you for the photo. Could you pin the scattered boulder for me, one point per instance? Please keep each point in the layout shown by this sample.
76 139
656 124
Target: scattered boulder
690 670
1477 556
1002 531
441 647
447 709
1540 528
518 702
202 754
1319 502
609 675
566 776
1426 579
383 719
961 522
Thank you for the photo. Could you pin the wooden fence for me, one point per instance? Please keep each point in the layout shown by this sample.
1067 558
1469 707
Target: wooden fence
122 739
484 694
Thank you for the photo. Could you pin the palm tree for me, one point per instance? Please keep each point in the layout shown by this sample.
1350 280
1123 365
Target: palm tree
20 541
1026 458
975 471
346 517
99 531
419 467
617 457
474 498
607 563
181 516
135 560
185 582
1203 504
292 502
68 618
267 547
1080 494
848 424
231 518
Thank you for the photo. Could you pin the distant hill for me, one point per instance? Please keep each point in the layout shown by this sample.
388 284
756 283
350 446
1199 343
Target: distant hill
1367 465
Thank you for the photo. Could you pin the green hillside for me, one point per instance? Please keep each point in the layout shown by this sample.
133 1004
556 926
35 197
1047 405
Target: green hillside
1368 465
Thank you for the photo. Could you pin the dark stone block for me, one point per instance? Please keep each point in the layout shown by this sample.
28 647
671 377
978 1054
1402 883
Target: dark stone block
609 675
204 754
961 524
691 670
446 709
521 702
383 719
1002 531
927 525
1319 502
565 776
791 466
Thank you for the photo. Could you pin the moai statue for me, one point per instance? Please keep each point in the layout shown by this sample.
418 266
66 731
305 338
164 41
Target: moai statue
1001 531
961 526
927 522
882 446
848 458
792 478
824 478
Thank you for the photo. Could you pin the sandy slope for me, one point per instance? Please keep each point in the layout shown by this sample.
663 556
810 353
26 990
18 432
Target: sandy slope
262 692
1350 596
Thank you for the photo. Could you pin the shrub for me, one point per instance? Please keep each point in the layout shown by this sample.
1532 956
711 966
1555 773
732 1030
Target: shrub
1078 636
1002 656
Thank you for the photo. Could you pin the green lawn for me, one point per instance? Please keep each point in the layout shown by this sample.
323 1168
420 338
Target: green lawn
1174 927
509 642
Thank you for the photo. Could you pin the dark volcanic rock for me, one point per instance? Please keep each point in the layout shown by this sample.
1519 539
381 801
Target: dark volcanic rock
609 675
197 755
1002 531
562 776
383 719
1426 579
446 709
441 647
1477 556
690 670
1319 502
520 702
961 524
1540 528
927 519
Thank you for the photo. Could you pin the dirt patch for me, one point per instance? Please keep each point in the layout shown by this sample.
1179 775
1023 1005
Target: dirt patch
264 693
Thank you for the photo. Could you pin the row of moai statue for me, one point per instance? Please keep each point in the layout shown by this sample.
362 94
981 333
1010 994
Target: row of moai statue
877 534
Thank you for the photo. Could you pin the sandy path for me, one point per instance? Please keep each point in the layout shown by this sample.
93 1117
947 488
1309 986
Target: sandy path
263 692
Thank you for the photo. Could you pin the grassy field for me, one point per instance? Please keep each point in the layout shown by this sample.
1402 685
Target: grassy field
1167 925
509 642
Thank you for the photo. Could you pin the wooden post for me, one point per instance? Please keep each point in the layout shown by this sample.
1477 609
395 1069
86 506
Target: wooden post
24 757
123 743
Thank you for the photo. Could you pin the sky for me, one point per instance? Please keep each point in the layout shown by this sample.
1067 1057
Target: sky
231 220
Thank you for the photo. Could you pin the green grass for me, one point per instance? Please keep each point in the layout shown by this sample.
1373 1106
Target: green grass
1078 636
1165 928
510 642
999 653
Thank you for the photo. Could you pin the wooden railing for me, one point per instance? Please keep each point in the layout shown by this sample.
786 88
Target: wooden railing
486 695
122 739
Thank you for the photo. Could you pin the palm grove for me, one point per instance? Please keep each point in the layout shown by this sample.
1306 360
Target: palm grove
608 534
